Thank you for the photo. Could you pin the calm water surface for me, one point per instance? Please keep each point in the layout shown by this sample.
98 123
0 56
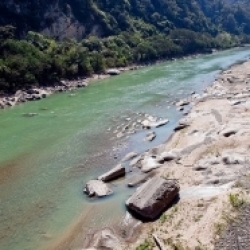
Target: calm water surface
45 160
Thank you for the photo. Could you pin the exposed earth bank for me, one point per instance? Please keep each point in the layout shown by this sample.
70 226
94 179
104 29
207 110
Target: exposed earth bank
208 154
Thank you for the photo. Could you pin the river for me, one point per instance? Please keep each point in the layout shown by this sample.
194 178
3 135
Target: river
46 159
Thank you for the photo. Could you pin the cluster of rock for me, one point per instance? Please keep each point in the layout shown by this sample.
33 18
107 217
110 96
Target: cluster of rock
154 195
23 96
98 187
138 122
64 85
34 94
160 192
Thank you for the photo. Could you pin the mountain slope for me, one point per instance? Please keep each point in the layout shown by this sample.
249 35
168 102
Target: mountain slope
79 18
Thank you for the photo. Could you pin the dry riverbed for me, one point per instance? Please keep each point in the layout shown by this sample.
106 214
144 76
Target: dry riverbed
213 169
208 154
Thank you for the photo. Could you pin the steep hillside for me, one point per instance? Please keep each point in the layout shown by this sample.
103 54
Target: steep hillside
79 18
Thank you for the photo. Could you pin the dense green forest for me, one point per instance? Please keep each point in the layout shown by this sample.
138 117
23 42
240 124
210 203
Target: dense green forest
114 33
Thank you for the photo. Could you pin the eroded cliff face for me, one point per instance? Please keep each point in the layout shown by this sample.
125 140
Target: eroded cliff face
54 18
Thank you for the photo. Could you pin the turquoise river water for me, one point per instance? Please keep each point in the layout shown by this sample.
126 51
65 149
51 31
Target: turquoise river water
45 160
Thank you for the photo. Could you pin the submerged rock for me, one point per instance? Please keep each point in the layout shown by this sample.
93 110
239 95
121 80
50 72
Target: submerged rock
97 188
105 239
30 114
129 156
153 197
150 136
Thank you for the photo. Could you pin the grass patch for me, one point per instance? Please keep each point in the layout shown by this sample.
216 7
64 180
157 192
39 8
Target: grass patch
236 201
219 228
146 245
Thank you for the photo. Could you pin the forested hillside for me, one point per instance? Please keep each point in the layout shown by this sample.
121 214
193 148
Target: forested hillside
79 18
44 41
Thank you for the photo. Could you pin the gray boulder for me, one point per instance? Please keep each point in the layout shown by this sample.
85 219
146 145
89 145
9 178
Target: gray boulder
153 197
112 174
113 72
97 188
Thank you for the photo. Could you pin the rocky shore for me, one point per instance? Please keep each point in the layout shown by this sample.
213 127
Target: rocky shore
37 93
206 161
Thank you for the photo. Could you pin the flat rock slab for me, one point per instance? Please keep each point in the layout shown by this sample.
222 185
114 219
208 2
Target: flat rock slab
137 179
112 174
97 188
148 124
129 156
153 197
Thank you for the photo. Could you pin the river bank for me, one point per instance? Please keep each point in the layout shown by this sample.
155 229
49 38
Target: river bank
38 93
214 149
212 144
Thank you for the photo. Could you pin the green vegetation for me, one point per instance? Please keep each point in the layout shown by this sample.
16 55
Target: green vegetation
146 245
127 32
39 60
236 201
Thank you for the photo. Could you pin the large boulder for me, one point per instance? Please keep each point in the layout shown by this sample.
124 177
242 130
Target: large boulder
112 174
97 188
153 197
